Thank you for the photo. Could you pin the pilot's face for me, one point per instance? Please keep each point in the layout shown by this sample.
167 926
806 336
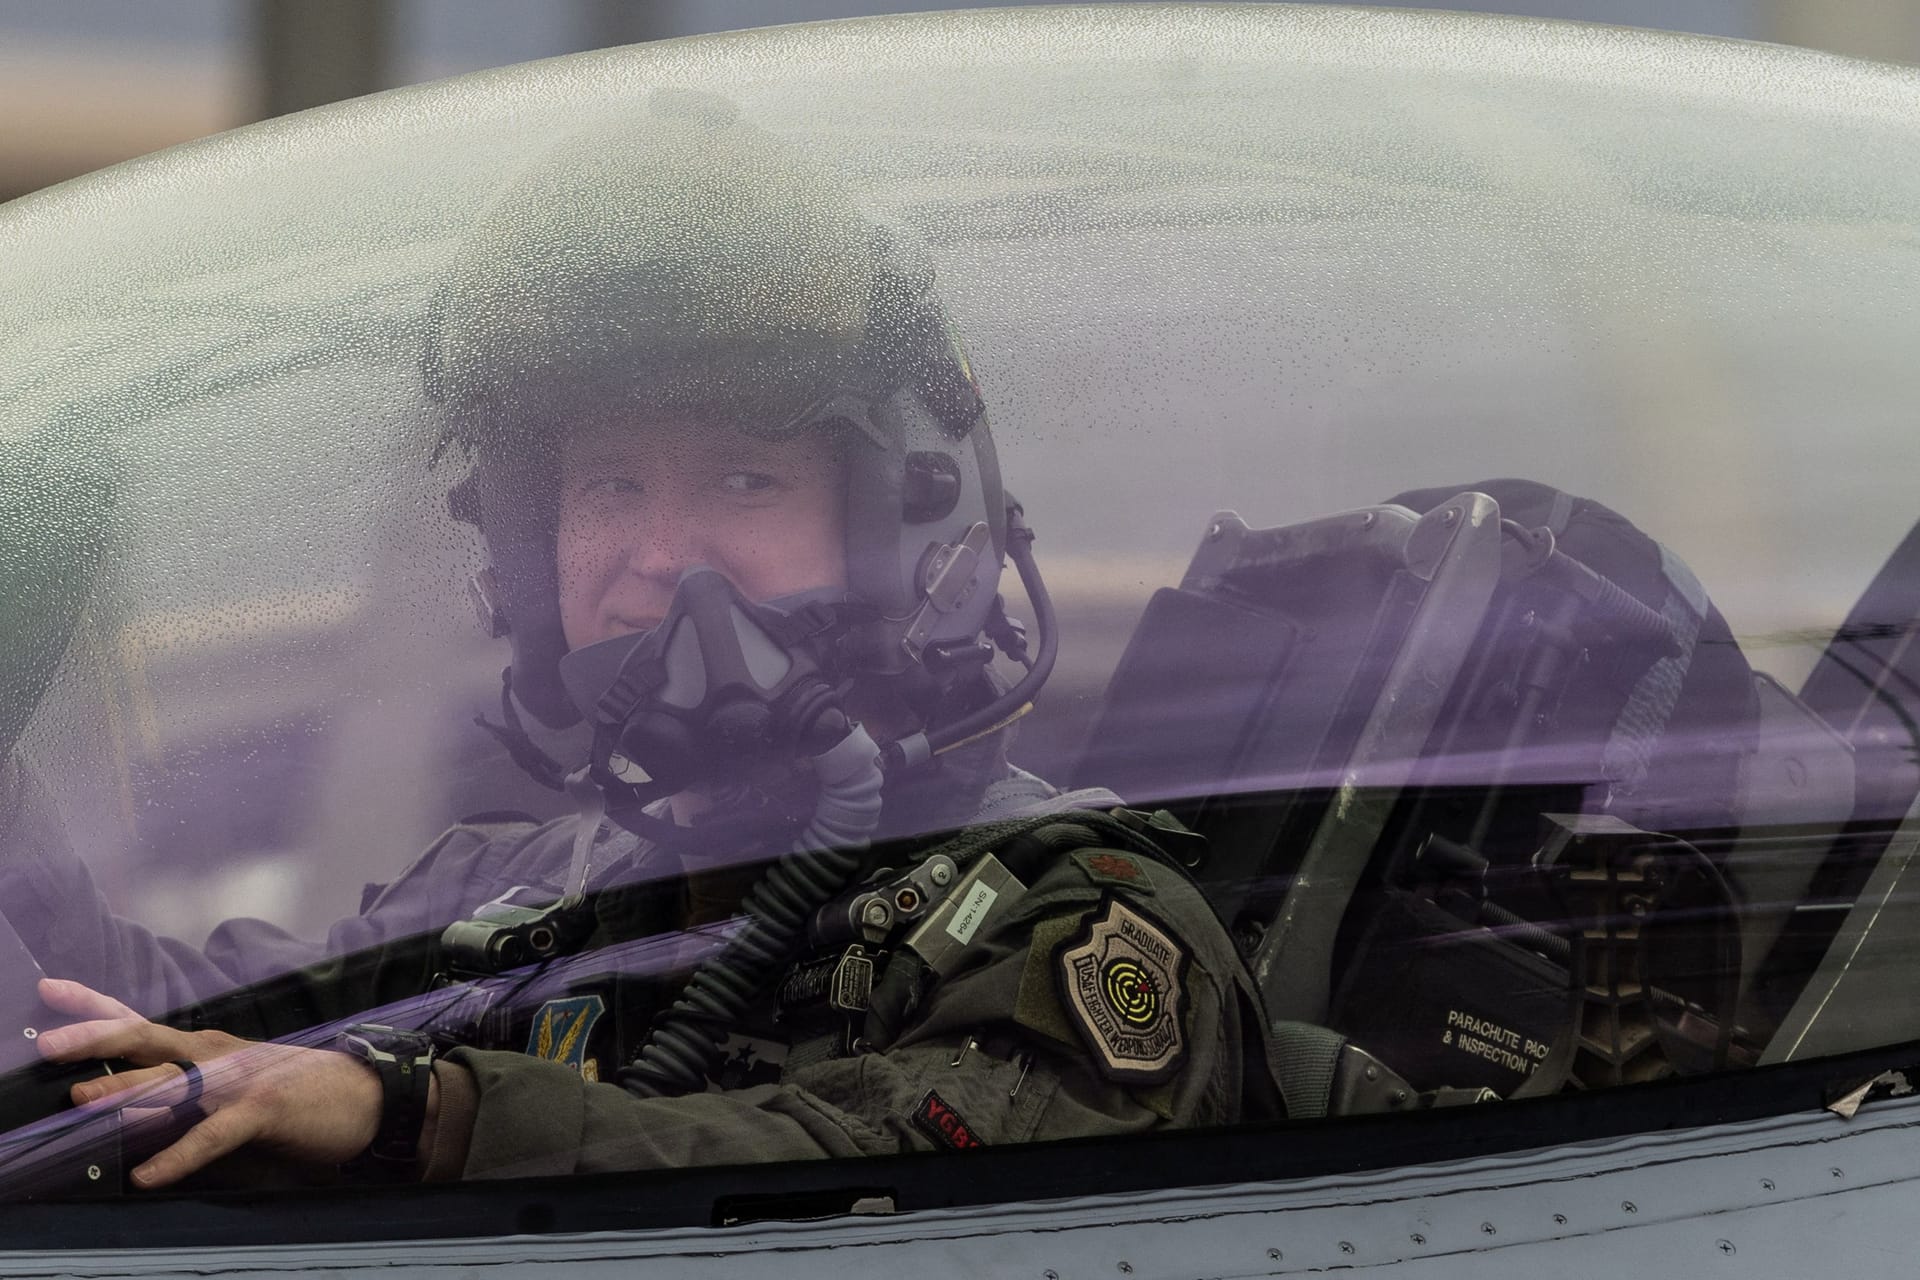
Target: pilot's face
641 505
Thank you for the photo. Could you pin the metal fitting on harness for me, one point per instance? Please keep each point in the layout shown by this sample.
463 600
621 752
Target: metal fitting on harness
945 935
876 913
505 933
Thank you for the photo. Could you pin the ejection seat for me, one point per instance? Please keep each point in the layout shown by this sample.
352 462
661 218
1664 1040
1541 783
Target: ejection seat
1455 781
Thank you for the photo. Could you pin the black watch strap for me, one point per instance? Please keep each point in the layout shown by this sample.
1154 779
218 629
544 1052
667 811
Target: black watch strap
404 1061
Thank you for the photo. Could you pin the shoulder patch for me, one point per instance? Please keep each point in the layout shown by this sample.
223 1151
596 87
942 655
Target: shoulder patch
561 1030
1122 982
943 1124
1104 866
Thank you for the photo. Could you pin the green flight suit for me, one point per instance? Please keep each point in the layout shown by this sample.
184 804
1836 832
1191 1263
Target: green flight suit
1007 1048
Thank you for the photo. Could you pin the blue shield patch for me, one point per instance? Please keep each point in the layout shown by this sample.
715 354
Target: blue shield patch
561 1029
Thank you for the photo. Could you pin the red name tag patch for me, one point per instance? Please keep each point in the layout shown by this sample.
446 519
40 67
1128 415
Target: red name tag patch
943 1124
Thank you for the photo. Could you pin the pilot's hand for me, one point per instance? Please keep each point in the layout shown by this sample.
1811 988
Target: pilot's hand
312 1105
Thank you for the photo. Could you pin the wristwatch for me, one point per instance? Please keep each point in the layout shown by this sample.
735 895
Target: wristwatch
404 1061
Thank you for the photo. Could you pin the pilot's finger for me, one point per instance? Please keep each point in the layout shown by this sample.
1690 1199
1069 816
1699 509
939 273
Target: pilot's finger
107 1086
135 1039
224 1131
80 1000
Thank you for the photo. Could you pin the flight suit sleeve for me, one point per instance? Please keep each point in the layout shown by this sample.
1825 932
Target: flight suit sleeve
388 952
50 899
1000 1052
538 1118
384 953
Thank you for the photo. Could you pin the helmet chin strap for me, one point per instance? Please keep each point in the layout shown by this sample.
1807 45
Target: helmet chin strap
512 735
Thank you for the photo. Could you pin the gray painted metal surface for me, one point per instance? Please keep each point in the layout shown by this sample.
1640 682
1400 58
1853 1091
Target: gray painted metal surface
1792 1196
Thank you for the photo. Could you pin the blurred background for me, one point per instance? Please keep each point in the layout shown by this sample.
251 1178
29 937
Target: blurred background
87 83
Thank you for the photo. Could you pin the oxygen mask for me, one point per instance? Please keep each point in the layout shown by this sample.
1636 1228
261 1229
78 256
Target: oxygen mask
721 692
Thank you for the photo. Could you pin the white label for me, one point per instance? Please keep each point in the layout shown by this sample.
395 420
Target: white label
1485 1038
972 910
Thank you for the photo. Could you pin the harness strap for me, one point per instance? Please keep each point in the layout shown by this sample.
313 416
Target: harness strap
591 803
1306 1058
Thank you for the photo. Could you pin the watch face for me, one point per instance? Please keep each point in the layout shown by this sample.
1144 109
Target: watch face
369 1040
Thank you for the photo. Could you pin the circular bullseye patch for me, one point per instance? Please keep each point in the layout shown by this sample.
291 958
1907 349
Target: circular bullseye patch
1122 984
1131 992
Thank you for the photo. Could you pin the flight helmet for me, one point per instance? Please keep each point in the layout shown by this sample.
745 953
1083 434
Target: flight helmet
691 262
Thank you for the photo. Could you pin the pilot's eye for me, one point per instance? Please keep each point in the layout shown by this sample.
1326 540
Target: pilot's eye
747 482
612 486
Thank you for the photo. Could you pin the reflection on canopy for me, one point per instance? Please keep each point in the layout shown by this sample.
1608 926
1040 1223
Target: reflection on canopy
1511 789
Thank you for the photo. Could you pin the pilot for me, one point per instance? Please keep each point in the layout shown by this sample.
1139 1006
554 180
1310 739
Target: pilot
744 518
